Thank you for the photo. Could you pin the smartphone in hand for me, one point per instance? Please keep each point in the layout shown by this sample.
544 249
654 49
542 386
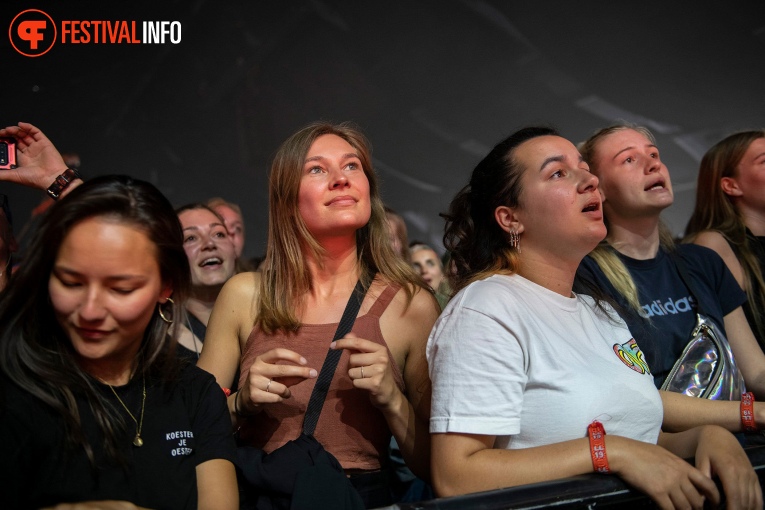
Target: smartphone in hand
7 153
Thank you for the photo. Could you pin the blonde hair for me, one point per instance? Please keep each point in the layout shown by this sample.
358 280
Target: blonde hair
715 211
604 255
286 277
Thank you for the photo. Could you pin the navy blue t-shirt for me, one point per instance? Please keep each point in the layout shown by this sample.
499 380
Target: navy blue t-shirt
668 313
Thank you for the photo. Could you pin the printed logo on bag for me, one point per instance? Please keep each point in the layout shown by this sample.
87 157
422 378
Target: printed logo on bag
632 356
181 442
33 32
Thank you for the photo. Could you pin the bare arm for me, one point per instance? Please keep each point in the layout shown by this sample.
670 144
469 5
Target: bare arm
747 352
464 463
409 419
682 412
216 485
232 315
715 241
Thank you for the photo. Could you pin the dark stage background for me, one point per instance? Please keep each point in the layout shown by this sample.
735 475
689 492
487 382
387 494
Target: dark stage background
434 84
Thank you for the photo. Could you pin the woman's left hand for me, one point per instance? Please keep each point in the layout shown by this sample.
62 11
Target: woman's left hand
719 453
370 369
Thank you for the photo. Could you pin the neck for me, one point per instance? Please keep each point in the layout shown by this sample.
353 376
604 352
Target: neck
114 373
753 219
637 238
549 271
337 269
5 273
200 308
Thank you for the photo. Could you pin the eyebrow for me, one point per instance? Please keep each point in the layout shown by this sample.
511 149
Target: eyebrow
345 156
195 227
558 159
118 277
632 147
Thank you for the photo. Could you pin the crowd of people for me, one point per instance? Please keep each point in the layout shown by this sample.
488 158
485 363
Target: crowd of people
140 351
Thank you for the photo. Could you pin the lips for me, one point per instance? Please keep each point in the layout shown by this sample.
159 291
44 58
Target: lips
91 334
342 200
656 185
592 206
211 261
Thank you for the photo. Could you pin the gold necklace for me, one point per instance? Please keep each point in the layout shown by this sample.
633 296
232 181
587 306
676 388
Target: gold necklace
137 441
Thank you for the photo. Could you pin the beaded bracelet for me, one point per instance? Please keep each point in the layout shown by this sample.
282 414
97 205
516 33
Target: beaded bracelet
747 412
597 435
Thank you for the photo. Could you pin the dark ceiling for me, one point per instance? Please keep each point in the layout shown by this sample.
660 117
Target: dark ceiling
434 84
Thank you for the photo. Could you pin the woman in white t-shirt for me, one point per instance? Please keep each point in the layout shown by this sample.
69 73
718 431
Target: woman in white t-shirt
522 367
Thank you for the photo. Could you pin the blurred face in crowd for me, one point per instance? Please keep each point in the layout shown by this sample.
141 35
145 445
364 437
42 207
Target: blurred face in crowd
427 263
208 247
747 185
234 226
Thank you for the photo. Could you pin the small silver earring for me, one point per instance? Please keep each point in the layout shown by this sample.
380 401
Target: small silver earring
162 315
515 240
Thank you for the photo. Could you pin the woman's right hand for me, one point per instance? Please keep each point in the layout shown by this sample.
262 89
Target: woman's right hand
269 382
39 162
666 478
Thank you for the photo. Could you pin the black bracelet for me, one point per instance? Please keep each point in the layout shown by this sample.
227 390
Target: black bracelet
236 408
62 182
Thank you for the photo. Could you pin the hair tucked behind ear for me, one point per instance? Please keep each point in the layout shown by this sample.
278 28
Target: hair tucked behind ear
715 211
478 246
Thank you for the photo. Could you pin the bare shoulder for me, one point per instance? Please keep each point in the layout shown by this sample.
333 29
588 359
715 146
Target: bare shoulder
716 241
407 325
239 297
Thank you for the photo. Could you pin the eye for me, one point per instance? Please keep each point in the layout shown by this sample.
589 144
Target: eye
70 284
557 174
655 155
220 235
315 170
123 291
189 239
629 159
353 166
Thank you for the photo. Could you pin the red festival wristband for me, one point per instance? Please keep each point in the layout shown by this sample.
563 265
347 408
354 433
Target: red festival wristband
597 435
226 391
747 412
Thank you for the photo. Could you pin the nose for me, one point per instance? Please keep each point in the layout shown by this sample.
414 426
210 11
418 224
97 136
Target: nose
338 179
93 310
653 165
589 182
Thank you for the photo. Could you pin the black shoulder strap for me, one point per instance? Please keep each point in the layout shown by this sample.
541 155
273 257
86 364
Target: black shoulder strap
330 362
683 270
196 326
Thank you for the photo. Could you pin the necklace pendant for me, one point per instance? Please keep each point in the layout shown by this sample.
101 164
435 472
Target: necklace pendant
137 441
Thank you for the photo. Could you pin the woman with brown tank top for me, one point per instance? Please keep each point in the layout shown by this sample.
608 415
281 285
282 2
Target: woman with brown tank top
326 232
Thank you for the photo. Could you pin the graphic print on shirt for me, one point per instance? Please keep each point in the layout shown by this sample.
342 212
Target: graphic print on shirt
670 306
631 355
181 442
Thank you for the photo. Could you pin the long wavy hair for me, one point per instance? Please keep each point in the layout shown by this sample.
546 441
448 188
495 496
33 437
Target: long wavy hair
604 255
479 247
714 210
286 278
35 352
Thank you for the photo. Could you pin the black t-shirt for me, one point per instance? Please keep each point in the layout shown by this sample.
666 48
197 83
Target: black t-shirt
183 426
668 310
754 305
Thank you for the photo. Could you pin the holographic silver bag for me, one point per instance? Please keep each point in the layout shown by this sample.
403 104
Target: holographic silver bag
706 368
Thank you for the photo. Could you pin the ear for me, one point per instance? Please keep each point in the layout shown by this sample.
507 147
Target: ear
730 187
165 293
507 219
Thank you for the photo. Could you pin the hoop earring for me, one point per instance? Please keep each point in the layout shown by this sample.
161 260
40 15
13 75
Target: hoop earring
515 240
162 315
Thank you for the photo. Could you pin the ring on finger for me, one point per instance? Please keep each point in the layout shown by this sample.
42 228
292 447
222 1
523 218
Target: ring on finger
362 372
269 385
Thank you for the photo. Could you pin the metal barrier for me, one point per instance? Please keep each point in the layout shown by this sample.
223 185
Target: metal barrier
585 492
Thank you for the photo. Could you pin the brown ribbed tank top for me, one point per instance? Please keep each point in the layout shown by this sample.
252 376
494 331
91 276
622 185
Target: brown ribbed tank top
349 427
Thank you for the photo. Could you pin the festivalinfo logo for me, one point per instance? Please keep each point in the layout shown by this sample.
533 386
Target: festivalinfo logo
33 32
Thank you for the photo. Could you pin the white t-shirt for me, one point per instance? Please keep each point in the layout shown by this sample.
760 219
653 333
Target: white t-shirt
512 359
